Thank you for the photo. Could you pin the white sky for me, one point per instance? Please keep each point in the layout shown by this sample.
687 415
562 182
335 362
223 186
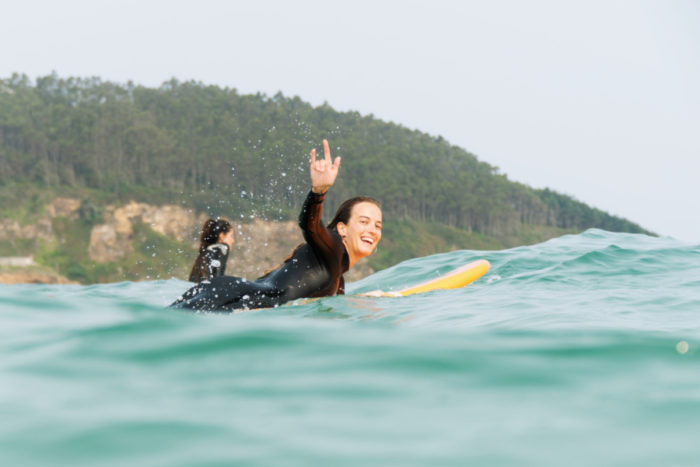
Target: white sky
596 99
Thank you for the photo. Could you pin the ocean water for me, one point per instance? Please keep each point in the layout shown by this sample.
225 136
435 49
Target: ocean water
582 350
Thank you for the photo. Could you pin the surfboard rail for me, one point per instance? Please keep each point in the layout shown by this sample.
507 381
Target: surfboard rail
463 275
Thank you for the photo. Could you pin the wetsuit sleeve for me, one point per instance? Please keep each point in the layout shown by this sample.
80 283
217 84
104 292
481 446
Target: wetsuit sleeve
326 245
315 233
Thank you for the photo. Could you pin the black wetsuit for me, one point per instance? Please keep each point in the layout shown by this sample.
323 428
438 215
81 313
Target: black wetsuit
315 269
210 263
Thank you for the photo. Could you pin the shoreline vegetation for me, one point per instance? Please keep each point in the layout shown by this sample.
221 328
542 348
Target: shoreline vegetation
82 157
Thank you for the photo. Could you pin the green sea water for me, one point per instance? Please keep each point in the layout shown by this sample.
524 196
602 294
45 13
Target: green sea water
583 350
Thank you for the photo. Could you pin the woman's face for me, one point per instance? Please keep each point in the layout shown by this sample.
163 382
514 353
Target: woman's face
363 231
227 238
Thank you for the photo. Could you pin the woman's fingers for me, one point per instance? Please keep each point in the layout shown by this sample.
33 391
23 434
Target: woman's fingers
313 157
327 151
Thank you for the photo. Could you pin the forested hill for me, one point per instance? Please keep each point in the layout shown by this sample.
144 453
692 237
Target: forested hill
216 149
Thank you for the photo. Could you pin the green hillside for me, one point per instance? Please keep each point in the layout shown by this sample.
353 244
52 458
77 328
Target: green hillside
246 156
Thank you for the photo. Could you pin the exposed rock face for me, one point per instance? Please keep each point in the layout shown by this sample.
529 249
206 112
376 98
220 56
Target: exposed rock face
173 221
169 220
106 245
42 229
111 240
63 207
260 245
10 229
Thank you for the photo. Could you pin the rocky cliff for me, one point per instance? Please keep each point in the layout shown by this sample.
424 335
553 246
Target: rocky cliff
113 241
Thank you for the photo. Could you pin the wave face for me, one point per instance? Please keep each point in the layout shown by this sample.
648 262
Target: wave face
582 350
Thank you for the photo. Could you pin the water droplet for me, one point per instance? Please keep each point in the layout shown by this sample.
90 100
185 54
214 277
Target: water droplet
682 347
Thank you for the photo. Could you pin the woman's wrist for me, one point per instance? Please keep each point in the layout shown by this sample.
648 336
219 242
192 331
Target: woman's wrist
320 190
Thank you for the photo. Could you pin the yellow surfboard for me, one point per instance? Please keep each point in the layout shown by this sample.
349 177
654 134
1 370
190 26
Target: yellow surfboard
454 279
463 275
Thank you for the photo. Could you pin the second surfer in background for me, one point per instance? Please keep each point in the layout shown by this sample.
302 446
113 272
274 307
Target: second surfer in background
315 268
215 242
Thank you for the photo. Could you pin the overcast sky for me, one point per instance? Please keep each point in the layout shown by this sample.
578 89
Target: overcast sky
596 99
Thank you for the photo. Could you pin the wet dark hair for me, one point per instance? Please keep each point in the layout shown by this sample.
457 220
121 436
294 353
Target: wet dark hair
210 232
345 210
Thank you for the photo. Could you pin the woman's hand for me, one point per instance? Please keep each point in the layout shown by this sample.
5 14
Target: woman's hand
323 172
